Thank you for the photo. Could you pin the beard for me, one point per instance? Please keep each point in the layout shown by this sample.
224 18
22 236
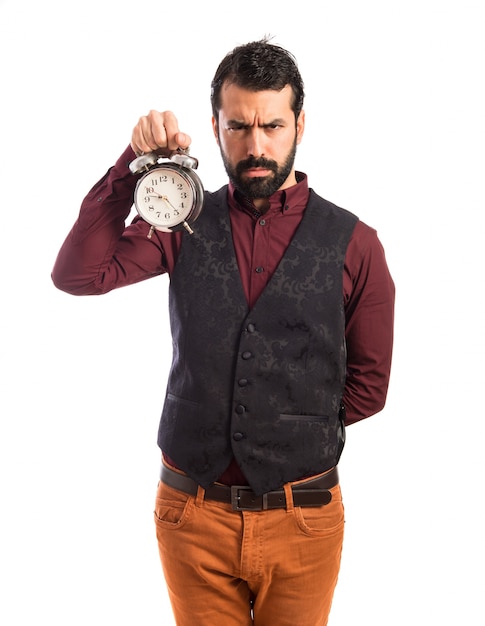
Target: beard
259 186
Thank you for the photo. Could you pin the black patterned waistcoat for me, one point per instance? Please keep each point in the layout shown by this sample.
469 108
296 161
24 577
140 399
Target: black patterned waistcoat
263 385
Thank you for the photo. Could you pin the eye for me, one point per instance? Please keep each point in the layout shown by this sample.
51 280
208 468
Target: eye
273 126
236 127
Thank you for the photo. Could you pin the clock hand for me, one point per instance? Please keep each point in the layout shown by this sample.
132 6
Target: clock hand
184 223
165 198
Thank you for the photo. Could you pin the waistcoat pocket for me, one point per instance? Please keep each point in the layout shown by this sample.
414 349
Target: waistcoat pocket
306 418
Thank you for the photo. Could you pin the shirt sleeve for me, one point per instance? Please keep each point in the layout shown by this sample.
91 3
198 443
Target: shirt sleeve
101 253
369 308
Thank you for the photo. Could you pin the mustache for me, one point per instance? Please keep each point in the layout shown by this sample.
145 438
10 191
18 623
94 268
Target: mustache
252 161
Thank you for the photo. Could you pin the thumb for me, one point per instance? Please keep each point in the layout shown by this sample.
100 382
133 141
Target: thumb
183 140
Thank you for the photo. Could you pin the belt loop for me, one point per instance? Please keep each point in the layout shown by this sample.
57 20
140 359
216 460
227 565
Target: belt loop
289 496
199 498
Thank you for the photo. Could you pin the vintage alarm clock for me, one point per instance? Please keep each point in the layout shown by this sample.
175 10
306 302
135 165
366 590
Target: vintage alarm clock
169 195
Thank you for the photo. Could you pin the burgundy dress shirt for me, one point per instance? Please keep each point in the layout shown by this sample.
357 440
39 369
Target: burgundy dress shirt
101 253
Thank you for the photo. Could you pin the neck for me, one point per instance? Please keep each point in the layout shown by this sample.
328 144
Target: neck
262 204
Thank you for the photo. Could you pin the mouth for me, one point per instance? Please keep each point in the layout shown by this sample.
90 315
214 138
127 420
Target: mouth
257 172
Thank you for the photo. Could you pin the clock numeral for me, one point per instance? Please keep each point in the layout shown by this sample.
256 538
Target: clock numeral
149 190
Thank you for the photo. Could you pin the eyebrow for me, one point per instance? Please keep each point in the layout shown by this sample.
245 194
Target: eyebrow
279 121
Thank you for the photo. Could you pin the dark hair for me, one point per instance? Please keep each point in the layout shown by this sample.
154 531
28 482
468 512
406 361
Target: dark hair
258 66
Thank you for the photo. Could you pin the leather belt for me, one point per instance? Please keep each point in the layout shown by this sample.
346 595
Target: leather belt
312 492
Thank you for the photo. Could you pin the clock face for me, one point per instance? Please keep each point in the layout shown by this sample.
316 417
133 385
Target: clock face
165 197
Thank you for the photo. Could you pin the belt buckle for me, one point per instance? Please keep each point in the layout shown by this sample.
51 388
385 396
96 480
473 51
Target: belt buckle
256 503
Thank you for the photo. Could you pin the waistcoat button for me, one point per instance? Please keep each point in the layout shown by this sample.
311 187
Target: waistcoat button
242 382
240 409
246 355
251 328
238 436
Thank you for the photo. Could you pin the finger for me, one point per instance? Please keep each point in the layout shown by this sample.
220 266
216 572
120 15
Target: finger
183 140
158 131
172 135
149 134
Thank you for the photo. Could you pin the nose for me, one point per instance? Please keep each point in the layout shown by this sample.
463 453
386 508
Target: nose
255 142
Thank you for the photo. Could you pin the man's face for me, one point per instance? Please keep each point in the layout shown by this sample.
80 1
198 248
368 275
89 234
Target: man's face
257 136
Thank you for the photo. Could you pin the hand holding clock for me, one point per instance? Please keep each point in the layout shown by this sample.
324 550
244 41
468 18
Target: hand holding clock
169 195
156 131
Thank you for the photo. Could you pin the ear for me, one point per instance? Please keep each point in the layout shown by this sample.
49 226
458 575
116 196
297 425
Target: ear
300 126
215 129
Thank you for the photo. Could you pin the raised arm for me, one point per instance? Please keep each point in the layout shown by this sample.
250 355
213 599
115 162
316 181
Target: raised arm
101 253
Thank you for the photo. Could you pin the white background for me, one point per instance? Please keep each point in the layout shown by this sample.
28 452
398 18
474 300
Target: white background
395 133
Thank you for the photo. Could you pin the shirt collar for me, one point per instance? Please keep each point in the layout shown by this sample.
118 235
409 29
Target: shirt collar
291 199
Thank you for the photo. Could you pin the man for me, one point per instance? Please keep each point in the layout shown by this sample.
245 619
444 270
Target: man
281 309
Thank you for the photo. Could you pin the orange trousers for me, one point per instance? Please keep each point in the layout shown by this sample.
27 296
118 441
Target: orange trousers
248 568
